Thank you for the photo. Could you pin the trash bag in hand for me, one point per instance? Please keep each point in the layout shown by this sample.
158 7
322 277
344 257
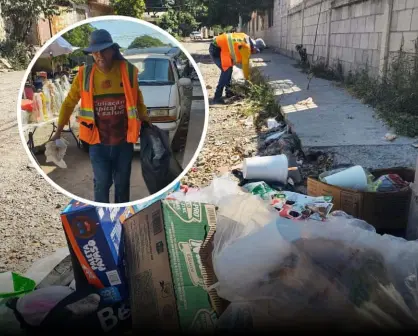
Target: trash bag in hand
55 152
156 158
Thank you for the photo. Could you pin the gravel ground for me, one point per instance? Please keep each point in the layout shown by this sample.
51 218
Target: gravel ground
229 139
30 226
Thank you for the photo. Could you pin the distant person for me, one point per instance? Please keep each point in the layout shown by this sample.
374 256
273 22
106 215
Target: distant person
227 50
112 109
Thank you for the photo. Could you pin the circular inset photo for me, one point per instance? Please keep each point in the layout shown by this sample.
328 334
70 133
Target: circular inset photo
105 111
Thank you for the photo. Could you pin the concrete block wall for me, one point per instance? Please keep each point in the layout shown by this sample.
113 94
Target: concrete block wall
354 33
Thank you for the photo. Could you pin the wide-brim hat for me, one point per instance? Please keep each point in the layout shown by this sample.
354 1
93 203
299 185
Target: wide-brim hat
100 40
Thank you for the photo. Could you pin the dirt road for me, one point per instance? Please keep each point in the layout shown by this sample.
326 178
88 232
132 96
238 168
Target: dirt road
229 138
30 226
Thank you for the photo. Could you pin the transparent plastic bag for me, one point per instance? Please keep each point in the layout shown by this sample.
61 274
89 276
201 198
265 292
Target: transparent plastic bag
314 270
55 152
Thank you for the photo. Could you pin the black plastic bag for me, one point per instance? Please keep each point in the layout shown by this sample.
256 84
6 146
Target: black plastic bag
159 168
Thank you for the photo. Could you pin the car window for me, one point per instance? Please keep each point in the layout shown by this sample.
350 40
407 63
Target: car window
154 70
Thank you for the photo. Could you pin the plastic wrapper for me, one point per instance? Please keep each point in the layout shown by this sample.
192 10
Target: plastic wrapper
37 108
315 271
219 188
34 307
55 152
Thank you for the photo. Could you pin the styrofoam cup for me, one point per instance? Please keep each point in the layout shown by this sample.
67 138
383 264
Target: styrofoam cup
351 178
268 168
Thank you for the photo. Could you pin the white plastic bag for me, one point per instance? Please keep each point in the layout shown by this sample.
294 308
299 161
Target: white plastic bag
237 74
212 194
55 152
314 270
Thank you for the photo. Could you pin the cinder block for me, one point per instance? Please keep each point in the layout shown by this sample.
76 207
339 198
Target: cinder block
399 5
414 23
394 21
395 41
409 41
373 40
333 38
366 8
356 40
361 24
379 23
333 52
411 4
379 40
349 40
354 26
358 10
338 40
375 58
370 20
334 27
404 20
358 56
364 41
345 13
347 26
348 54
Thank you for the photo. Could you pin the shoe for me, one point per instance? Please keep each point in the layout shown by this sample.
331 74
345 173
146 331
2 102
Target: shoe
217 101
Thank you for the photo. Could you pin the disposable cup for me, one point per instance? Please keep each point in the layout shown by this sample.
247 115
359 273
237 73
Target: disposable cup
266 168
351 178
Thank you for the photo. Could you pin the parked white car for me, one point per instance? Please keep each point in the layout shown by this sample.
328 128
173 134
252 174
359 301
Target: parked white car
196 35
161 84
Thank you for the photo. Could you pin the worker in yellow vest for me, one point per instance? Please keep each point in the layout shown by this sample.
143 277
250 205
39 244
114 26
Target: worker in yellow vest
112 109
227 50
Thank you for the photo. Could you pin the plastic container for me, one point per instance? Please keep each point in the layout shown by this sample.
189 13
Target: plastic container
352 178
266 168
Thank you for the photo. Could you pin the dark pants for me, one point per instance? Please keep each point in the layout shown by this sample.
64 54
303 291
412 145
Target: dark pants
225 77
112 164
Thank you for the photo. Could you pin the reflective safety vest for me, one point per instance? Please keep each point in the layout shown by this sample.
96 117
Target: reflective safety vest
230 45
88 131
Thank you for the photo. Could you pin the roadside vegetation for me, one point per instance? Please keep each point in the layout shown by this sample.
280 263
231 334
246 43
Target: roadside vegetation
394 96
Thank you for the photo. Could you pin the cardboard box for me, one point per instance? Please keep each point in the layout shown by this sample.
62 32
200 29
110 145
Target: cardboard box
168 267
94 236
384 210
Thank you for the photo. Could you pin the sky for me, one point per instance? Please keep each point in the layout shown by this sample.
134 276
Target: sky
124 32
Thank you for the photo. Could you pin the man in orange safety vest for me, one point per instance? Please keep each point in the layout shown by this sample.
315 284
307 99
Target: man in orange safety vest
112 109
227 50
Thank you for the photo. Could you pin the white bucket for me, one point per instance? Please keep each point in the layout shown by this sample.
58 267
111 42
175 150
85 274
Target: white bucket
351 178
268 168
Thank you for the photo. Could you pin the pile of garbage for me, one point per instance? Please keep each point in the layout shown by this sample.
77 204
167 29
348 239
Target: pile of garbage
227 257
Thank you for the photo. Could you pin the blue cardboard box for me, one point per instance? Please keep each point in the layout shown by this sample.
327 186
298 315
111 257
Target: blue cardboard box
97 246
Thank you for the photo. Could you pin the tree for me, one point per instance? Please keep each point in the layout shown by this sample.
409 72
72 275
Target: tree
22 14
79 37
178 22
146 41
133 8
